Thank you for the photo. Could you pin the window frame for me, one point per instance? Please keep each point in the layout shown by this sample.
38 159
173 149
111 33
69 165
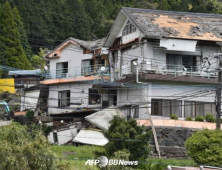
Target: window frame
60 104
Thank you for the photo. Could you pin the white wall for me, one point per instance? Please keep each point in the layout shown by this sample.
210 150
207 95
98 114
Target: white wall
63 136
74 56
162 90
79 94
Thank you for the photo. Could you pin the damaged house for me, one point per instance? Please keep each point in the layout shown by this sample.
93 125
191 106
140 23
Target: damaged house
74 66
173 55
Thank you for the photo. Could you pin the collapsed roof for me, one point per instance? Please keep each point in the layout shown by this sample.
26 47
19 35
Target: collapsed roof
185 25
91 45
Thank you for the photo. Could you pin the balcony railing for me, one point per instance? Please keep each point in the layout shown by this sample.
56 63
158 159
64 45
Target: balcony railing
176 70
77 71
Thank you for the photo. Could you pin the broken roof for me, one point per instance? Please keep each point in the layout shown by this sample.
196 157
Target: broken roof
91 45
185 25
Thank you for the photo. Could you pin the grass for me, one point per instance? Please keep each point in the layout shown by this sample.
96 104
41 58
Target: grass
77 157
81 153
173 162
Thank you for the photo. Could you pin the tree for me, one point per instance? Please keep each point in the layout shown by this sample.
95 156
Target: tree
23 150
38 61
163 5
24 40
205 147
127 135
12 51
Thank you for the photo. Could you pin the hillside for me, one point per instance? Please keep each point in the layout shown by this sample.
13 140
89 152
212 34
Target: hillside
49 22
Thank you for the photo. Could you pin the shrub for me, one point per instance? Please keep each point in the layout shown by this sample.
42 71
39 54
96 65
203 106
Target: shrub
129 136
189 118
173 116
199 119
30 114
21 150
205 147
209 118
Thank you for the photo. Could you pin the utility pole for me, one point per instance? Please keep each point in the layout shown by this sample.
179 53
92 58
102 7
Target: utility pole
218 105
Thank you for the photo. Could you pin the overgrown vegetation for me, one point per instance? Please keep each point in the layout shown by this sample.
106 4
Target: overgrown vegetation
12 42
127 135
48 23
205 147
21 150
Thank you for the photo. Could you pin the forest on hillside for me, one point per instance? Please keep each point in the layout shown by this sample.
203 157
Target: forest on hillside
47 23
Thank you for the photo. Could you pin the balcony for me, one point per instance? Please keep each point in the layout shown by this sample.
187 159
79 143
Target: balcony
169 72
74 72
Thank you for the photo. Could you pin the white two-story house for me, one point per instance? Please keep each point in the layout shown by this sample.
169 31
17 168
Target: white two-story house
171 57
74 66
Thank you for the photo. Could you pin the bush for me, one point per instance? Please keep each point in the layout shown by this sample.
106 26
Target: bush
189 118
173 116
209 118
30 114
21 150
205 147
128 136
199 119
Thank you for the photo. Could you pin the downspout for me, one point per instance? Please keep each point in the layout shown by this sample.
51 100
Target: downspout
137 75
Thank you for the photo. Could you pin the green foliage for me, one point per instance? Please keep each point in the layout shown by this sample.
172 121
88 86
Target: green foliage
19 150
199 119
23 37
120 155
11 50
173 116
158 165
189 118
128 136
37 61
205 147
30 114
48 23
209 118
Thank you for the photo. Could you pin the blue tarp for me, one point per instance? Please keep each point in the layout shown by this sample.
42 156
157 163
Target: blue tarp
37 72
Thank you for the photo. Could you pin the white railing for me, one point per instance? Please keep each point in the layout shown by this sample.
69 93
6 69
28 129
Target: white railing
77 71
176 70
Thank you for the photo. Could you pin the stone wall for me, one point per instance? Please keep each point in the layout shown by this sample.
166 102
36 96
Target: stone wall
171 141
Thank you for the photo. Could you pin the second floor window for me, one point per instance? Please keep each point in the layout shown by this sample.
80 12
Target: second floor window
129 28
61 69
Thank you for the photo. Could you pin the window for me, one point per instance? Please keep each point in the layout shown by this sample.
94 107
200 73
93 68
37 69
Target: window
176 61
64 98
194 109
201 109
61 70
188 109
94 97
166 107
87 67
129 28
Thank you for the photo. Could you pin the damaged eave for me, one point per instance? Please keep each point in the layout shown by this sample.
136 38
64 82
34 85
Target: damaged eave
70 80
